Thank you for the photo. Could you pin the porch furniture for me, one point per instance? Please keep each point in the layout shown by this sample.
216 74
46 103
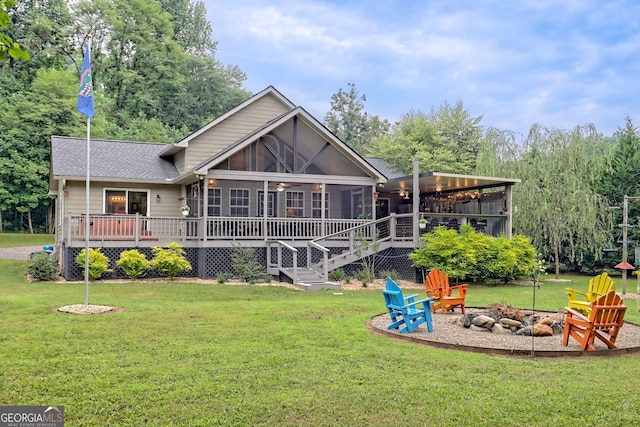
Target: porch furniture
437 284
604 322
598 286
406 313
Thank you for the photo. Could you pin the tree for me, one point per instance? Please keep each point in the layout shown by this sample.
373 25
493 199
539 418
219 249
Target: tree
348 121
558 205
446 140
620 174
8 47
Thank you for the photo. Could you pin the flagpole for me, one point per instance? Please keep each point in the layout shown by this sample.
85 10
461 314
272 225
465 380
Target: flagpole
86 107
86 222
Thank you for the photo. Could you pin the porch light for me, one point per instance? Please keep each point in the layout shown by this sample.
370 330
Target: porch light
438 188
157 197
281 186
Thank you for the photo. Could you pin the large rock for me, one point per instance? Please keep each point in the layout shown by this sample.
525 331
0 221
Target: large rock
483 321
497 328
542 330
510 323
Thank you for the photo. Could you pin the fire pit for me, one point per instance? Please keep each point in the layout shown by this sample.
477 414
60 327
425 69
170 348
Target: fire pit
504 319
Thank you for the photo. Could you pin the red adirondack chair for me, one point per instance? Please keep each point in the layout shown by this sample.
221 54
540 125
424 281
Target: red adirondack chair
437 284
604 322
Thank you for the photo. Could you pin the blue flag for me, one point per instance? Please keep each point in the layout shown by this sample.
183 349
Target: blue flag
85 96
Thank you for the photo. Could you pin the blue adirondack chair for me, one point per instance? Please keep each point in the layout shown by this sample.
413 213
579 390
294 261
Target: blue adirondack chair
405 313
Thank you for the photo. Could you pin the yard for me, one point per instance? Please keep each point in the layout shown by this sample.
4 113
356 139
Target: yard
203 354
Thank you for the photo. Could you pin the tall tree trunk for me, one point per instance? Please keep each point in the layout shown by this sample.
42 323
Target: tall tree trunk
29 222
556 255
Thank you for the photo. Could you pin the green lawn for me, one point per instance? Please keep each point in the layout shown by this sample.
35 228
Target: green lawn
209 355
9 240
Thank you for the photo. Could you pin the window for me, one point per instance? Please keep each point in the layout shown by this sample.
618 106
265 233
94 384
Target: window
316 205
239 202
271 203
126 201
214 202
295 203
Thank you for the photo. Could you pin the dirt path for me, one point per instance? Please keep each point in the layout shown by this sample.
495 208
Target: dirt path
21 253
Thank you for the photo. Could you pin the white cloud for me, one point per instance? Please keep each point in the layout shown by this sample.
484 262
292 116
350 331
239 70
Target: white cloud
558 63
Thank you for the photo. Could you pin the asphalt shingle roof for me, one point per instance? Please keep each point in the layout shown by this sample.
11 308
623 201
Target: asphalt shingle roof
384 168
110 159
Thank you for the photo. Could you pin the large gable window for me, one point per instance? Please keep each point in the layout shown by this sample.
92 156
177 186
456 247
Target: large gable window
126 202
239 202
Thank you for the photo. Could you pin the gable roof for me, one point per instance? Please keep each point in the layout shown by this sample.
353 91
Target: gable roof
312 122
183 143
110 160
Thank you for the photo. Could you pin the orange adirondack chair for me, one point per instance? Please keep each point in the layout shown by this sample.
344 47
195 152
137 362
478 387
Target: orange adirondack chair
598 286
604 322
437 284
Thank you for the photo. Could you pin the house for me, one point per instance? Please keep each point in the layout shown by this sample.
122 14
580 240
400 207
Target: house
265 175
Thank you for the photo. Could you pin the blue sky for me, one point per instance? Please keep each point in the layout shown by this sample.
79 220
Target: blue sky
559 63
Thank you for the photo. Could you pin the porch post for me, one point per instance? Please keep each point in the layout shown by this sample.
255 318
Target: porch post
416 201
508 224
205 209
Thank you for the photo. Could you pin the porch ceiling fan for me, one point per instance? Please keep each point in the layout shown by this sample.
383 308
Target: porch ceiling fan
281 186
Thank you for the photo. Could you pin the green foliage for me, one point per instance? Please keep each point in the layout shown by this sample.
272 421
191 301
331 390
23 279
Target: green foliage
446 140
365 277
133 263
170 261
389 273
223 278
243 262
469 254
336 275
559 207
348 121
8 47
367 250
42 267
98 263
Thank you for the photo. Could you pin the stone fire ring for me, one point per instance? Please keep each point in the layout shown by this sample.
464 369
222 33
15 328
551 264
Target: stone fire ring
447 335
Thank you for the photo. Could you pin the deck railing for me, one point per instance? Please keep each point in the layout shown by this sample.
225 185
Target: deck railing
138 228
164 229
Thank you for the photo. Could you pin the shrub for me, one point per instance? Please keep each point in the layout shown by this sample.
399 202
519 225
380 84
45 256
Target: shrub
133 263
243 261
469 254
390 273
365 277
223 277
98 263
336 275
42 267
170 261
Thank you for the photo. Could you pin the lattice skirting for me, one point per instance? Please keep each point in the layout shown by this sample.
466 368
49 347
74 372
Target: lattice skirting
210 263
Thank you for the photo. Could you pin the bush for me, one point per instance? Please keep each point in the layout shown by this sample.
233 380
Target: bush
133 263
223 277
469 254
42 267
336 275
170 261
243 261
98 263
390 273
